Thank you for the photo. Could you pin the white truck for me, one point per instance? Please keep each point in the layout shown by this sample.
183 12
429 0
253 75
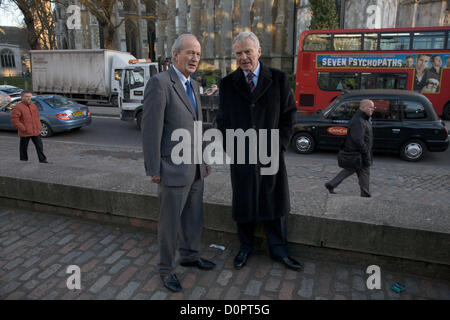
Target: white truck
93 75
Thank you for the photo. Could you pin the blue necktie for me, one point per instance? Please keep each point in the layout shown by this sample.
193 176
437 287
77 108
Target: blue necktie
191 96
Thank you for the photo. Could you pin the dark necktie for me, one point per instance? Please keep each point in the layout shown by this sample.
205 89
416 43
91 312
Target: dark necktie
251 85
191 96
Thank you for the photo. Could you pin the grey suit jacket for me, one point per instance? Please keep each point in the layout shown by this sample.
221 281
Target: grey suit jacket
167 108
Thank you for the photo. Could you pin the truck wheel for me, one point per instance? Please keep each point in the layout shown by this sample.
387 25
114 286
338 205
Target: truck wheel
446 112
46 131
303 143
115 101
139 120
413 150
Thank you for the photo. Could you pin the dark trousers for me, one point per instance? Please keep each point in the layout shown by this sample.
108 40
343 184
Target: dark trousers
275 232
363 179
37 143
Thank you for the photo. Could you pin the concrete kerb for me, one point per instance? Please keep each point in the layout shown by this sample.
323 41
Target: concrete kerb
348 223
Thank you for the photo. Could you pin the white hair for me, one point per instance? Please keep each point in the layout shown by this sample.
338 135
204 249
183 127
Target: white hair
247 35
178 42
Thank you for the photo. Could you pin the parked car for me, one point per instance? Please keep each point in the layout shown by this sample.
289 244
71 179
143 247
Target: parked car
403 122
7 93
56 112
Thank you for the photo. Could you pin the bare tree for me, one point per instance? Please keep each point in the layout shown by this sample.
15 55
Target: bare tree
38 18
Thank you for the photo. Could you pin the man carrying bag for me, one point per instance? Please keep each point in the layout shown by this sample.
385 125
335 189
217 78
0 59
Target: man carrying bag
357 153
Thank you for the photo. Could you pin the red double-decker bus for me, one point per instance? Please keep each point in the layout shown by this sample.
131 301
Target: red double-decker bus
331 61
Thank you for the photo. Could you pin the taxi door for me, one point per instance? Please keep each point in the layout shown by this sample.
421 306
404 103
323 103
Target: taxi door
387 125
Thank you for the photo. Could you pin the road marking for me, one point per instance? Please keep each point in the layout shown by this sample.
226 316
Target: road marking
107 117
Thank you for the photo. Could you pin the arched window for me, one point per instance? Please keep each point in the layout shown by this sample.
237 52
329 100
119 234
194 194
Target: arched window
7 58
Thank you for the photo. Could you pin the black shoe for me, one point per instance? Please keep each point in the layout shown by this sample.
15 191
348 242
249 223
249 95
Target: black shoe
366 196
43 161
171 282
289 263
241 259
330 188
199 263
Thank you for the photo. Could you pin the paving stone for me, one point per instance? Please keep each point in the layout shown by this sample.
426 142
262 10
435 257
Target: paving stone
128 291
30 262
8 288
224 277
306 288
272 284
99 284
66 239
119 266
197 293
49 271
233 293
159 295
12 264
253 288
114 257
108 293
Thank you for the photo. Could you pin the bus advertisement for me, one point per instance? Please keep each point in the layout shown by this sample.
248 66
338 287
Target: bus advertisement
331 61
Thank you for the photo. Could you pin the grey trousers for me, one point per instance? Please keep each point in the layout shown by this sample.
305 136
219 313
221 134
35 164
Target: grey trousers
180 222
363 179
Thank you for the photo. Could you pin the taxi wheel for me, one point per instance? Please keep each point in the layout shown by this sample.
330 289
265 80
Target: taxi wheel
46 131
413 150
303 143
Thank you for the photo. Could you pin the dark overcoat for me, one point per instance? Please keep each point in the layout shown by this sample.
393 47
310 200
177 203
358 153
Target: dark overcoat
258 197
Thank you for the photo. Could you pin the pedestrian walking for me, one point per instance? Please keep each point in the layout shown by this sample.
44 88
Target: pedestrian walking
25 117
359 140
256 96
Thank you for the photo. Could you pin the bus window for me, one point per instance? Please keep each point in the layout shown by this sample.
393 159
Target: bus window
368 81
370 41
428 40
337 81
317 42
394 41
347 42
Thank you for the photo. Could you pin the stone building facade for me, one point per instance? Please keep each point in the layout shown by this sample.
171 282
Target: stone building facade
152 26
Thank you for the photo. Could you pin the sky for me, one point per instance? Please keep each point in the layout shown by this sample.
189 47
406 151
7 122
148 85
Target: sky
10 15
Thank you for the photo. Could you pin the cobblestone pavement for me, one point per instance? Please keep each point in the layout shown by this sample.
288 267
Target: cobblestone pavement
119 262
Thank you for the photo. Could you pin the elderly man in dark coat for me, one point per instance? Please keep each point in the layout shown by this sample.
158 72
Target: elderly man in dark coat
257 97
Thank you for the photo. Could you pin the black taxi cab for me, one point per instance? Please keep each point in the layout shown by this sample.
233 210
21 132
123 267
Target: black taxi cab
404 122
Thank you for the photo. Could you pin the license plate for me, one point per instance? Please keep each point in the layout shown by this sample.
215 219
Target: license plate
77 114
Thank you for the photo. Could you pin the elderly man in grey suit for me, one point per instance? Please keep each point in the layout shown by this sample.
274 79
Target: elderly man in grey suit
171 102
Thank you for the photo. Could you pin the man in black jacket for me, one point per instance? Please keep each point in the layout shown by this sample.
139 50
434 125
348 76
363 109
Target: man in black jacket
257 97
359 139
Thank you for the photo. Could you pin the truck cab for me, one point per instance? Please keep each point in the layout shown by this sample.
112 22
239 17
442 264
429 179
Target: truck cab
129 82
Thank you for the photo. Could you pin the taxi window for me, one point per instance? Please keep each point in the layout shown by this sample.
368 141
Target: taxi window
345 110
413 110
385 110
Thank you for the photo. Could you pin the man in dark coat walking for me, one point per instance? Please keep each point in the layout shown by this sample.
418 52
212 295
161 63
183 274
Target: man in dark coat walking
256 97
359 139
